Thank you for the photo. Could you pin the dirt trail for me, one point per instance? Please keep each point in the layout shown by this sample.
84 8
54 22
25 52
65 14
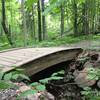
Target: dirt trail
86 44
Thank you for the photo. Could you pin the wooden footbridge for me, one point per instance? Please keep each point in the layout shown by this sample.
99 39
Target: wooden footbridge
34 60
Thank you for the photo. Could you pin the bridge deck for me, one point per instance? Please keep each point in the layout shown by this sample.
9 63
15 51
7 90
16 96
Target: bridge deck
35 59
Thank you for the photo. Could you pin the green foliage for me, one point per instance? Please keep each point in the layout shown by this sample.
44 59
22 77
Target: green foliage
93 74
44 81
15 75
91 94
37 86
5 79
29 3
53 4
52 9
8 76
40 87
57 41
34 84
6 85
60 72
67 40
54 76
26 93
1 75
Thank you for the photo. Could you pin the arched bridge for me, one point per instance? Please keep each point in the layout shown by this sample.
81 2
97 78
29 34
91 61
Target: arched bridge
34 60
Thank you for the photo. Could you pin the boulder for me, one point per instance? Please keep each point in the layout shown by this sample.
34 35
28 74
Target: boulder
24 88
82 80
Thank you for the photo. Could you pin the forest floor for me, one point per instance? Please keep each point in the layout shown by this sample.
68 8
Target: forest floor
85 44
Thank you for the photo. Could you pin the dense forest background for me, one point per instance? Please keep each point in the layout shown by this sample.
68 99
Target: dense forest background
28 22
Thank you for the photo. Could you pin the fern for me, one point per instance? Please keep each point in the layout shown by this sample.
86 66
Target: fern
14 75
44 81
41 87
60 72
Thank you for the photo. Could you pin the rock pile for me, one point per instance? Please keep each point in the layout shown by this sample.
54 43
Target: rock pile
8 94
76 77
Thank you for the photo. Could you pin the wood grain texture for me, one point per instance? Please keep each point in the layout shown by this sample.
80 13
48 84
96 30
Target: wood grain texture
34 60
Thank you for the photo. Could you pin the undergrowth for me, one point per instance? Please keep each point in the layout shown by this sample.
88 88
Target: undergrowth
57 41
7 79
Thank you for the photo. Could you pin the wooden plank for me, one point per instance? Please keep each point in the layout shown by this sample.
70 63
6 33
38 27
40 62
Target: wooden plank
10 58
12 49
37 59
5 63
7 60
47 61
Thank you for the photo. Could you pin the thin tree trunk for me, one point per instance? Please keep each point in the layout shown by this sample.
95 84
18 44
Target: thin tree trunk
33 22
98 14
93 15
62 20
75 17
24 23
39 22
85 18
5 28
43 20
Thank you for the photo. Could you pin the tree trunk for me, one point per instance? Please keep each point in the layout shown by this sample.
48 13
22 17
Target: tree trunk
93 13
39 22
4 24
43 21
24 23
33 22
62 20
75 17
98 14
85 18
